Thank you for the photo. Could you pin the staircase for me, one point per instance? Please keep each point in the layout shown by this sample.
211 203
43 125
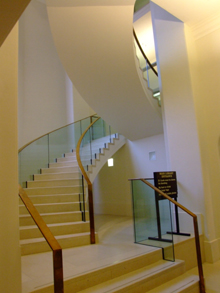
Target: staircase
57 195
145 272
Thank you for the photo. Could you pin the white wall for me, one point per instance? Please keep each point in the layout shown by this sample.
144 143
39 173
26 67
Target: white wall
180 129
112 193
45 92
80 109
10 266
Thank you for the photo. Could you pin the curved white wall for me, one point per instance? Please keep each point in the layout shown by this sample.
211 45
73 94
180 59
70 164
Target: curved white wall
95 43
45 91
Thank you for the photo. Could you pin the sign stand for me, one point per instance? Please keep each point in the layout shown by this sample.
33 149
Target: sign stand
166 182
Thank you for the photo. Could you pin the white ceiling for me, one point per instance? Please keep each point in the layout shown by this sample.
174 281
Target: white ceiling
190 12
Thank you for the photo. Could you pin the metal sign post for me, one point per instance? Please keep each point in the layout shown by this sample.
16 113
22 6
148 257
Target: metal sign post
167 183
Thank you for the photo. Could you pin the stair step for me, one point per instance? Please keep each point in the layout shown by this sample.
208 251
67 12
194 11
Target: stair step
66 159
59 170
54 183
58 176
53 190
53 198
185 283
71 154
52 207
138 280
27 232
50 218
64 164
38 245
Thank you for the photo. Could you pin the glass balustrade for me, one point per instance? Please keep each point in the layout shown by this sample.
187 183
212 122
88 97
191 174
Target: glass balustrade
149 74
152 219
46 149
96 138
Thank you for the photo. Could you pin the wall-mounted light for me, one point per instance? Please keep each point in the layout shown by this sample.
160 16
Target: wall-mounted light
152 156
110 162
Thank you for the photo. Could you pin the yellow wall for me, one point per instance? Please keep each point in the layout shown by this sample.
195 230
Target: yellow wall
189 64
10 268
205 71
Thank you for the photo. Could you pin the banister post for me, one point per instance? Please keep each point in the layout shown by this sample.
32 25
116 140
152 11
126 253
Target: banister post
58 271
91 215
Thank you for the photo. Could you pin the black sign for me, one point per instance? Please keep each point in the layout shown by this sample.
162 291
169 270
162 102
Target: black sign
166 182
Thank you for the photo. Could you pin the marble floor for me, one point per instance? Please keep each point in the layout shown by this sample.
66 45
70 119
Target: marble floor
116 242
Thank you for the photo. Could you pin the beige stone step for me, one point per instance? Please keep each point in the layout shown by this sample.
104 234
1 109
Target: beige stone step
66 159
140 280
59 170
38 245
54 183
58 176
53 198
51 218
52 207
27 232
64 164
53 190
185 283
71 154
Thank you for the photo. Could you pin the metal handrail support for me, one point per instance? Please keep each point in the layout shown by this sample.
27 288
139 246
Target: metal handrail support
54 245
196 231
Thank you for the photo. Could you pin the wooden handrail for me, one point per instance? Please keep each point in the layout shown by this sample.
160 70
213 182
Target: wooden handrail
89 184
54 245
144 55
196 231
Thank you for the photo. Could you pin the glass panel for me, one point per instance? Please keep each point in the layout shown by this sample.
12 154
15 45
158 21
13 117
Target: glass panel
32 159
140 56
77 130
61 141
152 78
96 138
85 124
85 150
148 74
148 227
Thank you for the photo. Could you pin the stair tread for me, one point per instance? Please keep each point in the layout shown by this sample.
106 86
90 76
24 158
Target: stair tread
54 225
179 283
42 239
57 194
57 174
133 277
50 214
53 203
49 187
60 168
45 180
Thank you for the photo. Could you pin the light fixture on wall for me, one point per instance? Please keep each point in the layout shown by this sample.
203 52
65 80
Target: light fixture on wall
152 156
110 162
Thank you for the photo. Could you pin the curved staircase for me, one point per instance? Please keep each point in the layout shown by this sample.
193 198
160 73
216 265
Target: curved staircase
57 195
